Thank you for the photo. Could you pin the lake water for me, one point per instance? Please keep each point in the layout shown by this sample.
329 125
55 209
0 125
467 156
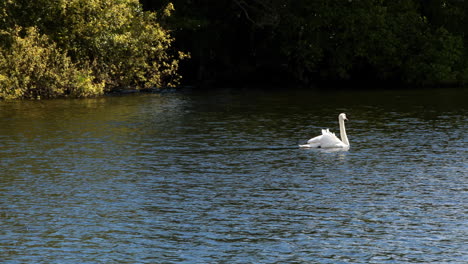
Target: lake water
217 177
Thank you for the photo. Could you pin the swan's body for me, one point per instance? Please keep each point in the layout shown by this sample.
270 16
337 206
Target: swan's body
328 139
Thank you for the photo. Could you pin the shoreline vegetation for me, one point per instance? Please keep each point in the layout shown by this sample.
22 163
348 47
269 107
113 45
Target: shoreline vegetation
83 48
86 48
322 43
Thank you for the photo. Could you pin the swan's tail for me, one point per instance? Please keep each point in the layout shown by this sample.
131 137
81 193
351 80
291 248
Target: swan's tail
310 145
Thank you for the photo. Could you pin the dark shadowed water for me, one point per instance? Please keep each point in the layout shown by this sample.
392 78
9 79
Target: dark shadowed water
217 177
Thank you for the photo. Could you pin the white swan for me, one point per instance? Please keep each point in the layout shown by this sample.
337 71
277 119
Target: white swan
328 139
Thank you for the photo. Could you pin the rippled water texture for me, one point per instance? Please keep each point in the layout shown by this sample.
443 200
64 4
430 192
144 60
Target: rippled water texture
217 177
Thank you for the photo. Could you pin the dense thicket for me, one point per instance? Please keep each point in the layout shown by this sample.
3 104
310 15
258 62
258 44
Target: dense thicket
53 48
416 42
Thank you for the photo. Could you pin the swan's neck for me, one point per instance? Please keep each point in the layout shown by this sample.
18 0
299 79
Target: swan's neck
344 137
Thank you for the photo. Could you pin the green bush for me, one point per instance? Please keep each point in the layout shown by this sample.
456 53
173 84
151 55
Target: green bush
35 68
127 47
83 48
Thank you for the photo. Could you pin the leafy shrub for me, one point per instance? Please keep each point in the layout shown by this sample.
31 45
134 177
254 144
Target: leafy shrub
127 47
83 48
35 68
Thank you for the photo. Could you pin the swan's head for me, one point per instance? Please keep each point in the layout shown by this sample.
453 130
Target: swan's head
342 116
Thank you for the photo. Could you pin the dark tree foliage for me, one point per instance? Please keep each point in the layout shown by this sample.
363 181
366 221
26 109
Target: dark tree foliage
303 42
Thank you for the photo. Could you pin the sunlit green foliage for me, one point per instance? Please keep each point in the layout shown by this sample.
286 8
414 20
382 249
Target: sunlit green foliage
88 46
35 68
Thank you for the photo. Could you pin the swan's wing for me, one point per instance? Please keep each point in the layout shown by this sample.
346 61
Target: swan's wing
326 140
312 143
330 140
314 140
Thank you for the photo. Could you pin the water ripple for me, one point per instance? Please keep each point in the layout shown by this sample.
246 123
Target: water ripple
217 178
